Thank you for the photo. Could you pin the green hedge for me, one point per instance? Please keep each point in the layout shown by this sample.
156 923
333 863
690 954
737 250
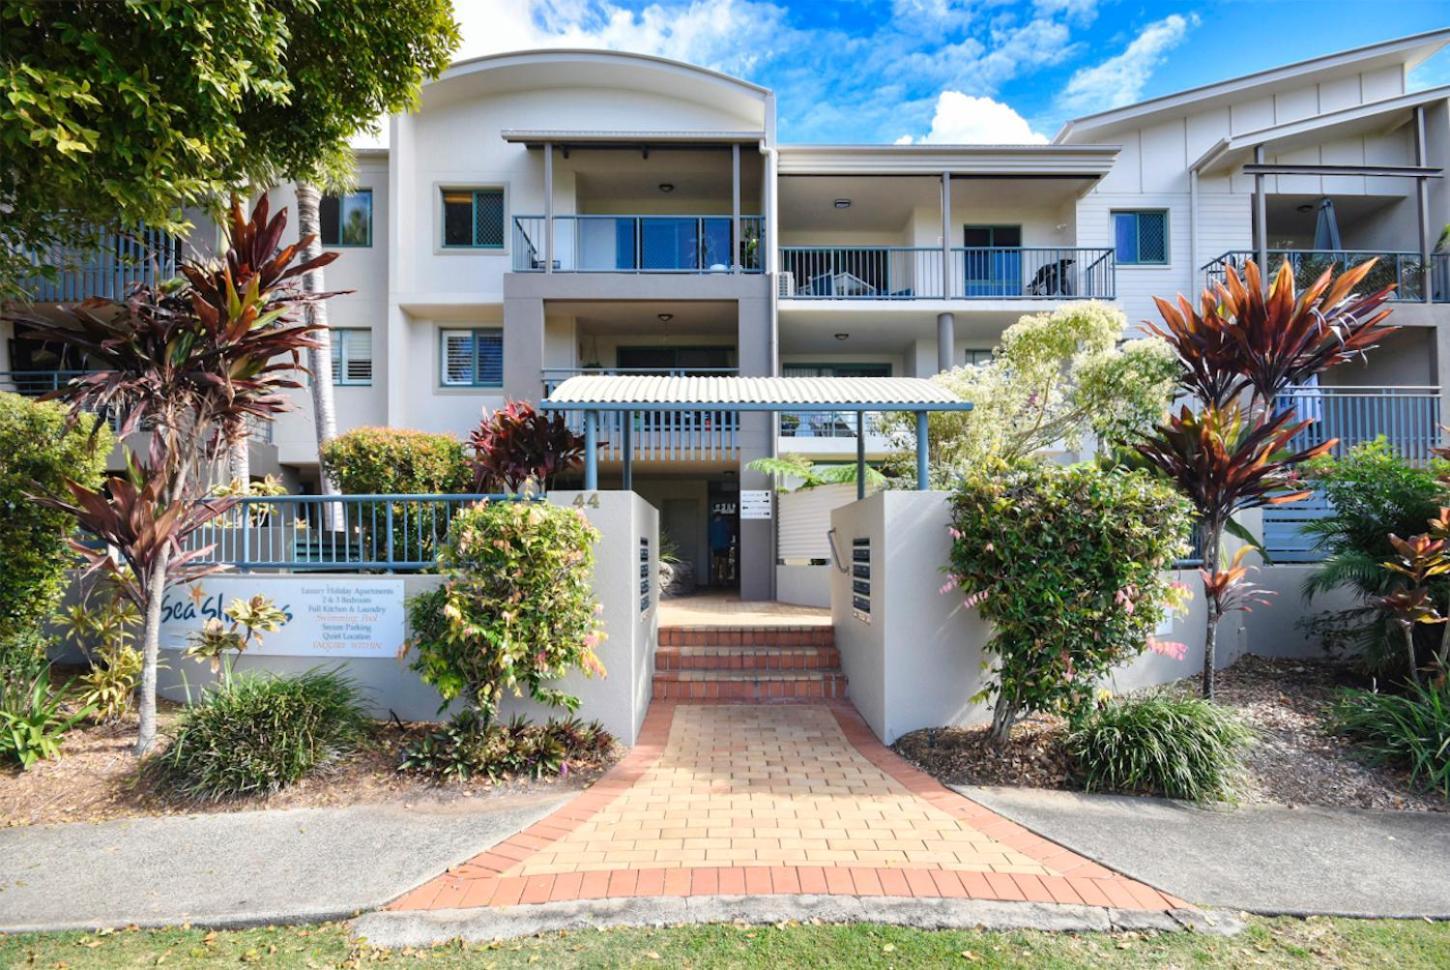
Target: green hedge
36 454
397 461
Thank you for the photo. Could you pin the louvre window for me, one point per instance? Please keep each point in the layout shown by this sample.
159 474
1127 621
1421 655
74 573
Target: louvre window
347 220
1141 237
352 357
473 218
473 358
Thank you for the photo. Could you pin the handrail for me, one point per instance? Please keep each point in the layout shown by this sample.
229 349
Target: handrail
1403 268
579 247
892 272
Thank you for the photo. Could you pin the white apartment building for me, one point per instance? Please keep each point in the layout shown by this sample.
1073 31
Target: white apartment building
546 213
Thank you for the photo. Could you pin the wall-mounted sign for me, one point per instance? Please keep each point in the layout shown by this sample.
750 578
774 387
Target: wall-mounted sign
354 617
754 503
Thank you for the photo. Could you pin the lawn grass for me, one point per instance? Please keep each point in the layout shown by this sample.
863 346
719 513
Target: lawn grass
1318 943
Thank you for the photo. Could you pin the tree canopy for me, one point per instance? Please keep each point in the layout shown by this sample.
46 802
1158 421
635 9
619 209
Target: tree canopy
123 113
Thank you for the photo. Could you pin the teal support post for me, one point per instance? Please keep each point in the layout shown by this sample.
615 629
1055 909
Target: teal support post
923 474
591 451
860 454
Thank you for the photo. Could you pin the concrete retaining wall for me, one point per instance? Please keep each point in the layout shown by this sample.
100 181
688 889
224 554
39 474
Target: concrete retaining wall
619 699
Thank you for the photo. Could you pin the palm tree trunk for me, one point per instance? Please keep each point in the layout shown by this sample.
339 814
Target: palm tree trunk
150 654
239 461
319 359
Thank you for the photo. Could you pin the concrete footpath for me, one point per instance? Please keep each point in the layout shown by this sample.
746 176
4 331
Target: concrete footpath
243 868
1293 861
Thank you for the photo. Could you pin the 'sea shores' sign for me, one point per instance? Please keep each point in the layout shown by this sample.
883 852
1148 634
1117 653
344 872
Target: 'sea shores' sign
360 617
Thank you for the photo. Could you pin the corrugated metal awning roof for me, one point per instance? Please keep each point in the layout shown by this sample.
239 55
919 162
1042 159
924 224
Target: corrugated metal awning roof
641 392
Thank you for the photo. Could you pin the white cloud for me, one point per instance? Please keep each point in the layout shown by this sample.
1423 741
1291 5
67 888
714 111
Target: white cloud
1119 80
727 35
962 119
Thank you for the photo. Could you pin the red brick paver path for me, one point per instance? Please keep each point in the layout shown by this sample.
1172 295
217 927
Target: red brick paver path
732 799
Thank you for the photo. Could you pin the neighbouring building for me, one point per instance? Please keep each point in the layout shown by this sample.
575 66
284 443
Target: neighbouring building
547 213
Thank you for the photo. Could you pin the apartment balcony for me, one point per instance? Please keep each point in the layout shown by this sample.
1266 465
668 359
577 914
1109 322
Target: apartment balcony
37 383
118 263
1404 269
681 243
918 273
1407 417
830 433
691 435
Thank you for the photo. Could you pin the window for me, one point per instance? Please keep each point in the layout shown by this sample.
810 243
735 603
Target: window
1141 237
473 358
473 218
347 220
352 357
977 357
836 370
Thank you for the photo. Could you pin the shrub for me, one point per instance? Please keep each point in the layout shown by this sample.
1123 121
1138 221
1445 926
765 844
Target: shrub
397 461
1068 564
1375 493
109 687
261 734
34 721
517 610
466 747
1410 730
518 445
37 453
1179 747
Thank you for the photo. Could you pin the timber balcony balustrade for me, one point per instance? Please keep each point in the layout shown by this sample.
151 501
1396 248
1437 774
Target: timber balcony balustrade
666 436
1406 270
638 244
921 273
120 261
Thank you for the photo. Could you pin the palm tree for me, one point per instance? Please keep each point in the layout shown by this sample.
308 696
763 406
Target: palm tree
319 356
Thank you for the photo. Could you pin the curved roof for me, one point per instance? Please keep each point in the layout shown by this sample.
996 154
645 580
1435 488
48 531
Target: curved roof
509 58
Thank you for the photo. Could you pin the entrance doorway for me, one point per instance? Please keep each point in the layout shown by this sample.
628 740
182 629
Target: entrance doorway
724 536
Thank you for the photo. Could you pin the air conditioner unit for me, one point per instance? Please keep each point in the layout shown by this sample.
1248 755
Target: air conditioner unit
787 285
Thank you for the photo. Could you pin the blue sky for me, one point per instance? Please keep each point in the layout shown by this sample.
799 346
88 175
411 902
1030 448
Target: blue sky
880 71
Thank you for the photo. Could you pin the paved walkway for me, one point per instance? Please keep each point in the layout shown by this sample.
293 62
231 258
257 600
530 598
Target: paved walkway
720 799
1298 861
721 609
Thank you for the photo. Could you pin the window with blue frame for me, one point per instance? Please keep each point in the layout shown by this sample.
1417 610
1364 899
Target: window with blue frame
347 220
473 218
352 356
1140 237
472 358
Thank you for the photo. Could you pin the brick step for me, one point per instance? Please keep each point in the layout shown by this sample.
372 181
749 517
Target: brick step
747 658
747 636
754 686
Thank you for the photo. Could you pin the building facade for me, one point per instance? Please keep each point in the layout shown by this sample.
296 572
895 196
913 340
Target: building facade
557 212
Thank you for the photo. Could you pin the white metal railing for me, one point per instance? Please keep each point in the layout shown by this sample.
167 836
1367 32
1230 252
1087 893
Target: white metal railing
916 273
1403 269
688 434
638 243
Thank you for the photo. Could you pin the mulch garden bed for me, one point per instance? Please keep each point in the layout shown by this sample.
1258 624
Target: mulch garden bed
97 778
1296 761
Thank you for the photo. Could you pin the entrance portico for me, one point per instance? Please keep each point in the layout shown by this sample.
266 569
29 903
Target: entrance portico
630 395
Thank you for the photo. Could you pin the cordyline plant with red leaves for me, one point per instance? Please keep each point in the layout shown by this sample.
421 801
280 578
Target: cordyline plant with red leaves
1418 560
518 444
187 362
1237 351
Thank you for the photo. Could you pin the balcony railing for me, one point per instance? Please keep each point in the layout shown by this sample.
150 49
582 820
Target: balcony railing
683 435
827 424
119 262
395 533
916 273
35 383
1407 417
638 244
1403 269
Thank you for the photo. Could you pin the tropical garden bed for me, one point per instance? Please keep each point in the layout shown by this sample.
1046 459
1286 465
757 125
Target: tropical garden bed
1296 759
97 778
